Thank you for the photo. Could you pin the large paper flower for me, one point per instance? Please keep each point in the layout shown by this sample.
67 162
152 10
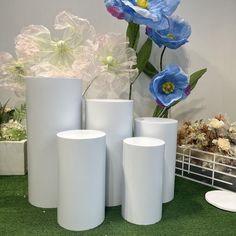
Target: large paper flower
35 42
12 72
115 65
173 37
153 13
169 86
115 57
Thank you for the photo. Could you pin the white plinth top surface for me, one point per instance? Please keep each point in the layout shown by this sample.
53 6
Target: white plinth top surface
156 120
81 134
224 200
144 141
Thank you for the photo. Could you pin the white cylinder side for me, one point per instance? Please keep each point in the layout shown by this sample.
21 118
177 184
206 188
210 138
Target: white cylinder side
53 105
115 118
82 159
143 180
165 129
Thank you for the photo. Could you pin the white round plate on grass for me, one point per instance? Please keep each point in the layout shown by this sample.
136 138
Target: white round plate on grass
224 200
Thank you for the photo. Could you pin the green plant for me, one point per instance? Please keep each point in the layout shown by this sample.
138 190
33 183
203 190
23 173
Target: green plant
12 131
11 128
20 113
6 114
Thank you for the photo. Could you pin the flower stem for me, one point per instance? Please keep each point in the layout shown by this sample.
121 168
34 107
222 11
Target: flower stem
161 59
89 85
131 86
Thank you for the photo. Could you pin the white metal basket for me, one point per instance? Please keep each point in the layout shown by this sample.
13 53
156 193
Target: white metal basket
207 168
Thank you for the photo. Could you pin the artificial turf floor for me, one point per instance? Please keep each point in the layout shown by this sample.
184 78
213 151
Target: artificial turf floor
188 214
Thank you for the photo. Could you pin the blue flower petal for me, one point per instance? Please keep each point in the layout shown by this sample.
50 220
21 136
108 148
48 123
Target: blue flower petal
174 36
175 75
155 15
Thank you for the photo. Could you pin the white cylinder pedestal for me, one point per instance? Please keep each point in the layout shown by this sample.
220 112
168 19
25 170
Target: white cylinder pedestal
82 159
143 178
165 129
53 105
115 118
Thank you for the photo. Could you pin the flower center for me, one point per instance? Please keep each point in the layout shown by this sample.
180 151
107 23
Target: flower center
142 3
168 87
62 48
110 61
171 36
17 70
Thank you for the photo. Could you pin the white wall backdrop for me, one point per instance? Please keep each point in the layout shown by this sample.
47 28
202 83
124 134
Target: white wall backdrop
211 45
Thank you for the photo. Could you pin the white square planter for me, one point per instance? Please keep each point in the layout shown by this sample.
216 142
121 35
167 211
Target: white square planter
13 157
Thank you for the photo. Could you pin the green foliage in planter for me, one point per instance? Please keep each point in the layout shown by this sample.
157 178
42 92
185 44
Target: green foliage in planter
5 114
12 131
11 128
20 113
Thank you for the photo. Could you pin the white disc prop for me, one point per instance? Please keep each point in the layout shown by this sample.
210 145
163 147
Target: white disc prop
224 200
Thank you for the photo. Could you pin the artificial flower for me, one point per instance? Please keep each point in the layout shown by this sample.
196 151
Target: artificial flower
12 73
174 36
223 144
115 57
232 132
216 124
36 42
169 86
12 68
115 63
153 13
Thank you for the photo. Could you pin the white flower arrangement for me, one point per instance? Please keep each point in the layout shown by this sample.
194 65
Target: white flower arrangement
78 53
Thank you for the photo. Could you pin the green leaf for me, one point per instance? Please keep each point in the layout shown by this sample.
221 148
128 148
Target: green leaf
195 77
133 35
150 70
144 55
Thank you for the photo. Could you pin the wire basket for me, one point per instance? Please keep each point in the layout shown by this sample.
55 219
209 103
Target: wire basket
207 168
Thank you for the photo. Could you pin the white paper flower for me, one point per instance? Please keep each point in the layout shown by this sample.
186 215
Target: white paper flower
12 72
76 31
36 43
115 57
115 63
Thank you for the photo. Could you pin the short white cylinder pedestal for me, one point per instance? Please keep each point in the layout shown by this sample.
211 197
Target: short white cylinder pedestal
115 118
81 196
165 129
53 105
143 178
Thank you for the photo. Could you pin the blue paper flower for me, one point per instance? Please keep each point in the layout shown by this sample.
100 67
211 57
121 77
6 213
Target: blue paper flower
169 86
153 13
175 36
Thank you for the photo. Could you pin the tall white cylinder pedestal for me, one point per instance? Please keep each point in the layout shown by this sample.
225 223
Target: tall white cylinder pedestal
165 129
81 196
115 118
143 179
53 105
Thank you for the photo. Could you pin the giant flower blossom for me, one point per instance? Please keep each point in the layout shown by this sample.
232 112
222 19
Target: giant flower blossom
78 52
116 61
57 55
174 36
12 73
114 64
169 86
153 13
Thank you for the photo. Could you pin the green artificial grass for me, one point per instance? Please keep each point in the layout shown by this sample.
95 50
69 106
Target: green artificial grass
189 214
